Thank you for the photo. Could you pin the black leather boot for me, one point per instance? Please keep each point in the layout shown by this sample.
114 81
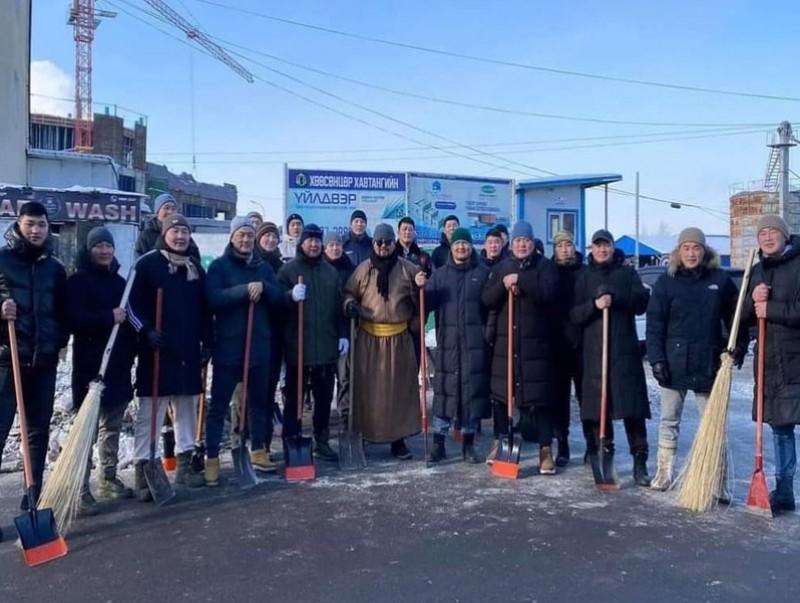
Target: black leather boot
468 449
640 476
438 453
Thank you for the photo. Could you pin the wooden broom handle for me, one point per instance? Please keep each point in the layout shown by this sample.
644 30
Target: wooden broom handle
23 418
423 362
300 358
115 329
734 333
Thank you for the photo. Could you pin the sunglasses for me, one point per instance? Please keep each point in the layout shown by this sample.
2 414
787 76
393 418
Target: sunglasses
384 242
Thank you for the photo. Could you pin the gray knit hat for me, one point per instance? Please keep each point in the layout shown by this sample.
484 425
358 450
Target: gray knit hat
522 229
331 236
97 235
773 221
172 221
383 231
163 199
692 235
241 222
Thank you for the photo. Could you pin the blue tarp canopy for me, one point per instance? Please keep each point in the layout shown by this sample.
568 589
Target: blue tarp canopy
628 246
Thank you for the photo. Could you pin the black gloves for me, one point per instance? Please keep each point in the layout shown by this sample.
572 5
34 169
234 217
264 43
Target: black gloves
661 373
352 310
154 339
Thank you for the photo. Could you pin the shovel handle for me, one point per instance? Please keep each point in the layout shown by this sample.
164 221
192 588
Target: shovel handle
201 406
352 370
604 377
248 338
156 371
760 372
23 418
423 364
510 357
300 358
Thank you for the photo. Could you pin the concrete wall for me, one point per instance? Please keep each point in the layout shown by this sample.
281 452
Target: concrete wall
65 172
14 88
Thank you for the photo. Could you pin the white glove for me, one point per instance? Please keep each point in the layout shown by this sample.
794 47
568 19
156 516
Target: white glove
344 346
298 293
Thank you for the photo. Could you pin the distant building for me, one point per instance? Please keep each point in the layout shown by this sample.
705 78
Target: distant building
196 199
654 250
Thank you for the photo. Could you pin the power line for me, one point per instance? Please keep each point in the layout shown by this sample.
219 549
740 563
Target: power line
482 107
505 63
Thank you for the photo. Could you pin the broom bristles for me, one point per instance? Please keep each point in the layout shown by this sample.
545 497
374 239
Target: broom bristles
62 491
702 477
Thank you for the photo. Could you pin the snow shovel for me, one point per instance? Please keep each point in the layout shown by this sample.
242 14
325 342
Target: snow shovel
155 476
423 370
603 470
199 455
297 449
37 530
506 463
758 495
242 466
351 444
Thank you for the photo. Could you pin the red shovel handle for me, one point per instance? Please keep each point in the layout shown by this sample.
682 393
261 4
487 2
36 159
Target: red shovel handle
510 355
156 371
300 357
23 418
248 338
760 371
604 377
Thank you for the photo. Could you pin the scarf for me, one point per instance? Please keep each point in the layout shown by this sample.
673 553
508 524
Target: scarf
177 260
384 267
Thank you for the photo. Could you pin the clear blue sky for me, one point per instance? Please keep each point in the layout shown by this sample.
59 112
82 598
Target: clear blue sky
727 44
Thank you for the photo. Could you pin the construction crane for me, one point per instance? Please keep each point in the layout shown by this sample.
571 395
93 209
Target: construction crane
198 36
84 19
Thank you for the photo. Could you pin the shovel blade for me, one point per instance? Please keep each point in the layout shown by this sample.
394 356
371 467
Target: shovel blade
298 458
758 495
158 482
506 464
39 537
243 467
505 469
351 450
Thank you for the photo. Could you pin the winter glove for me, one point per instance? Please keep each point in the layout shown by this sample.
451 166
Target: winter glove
298 293
344 346
661 373
154 339
353 310
738 357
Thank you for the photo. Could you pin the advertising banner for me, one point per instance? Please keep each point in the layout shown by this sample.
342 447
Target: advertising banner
328 197
72 205
479 204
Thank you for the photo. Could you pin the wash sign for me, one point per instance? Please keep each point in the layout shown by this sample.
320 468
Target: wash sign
479 203
328 197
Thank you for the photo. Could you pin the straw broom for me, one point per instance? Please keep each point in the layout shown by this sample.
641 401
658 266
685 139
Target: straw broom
62 491
701 480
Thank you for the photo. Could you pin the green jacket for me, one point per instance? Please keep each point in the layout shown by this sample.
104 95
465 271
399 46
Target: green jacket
323 320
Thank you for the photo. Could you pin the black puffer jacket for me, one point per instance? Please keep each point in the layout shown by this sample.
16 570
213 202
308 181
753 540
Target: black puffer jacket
491 262
782 378
229 300
272 258
357 249
533 324
684 321
323 319
569 335
185 330
36 281
461 358
416 256
344 267
441 253
92 293
627 389
149 235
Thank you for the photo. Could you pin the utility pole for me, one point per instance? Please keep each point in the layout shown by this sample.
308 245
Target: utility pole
636 248
605 206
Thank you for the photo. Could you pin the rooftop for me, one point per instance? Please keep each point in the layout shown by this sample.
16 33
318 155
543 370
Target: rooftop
584 180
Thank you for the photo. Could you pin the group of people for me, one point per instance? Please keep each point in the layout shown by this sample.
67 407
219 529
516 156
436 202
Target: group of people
373 287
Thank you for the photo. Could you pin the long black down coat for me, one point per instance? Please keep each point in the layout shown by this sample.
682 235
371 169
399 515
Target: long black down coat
627 388
533 324
782 378
185 329
92 294
461 358
684 321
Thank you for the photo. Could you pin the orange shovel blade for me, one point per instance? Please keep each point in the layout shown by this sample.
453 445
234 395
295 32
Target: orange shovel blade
45 552
301 473
505 469
758 495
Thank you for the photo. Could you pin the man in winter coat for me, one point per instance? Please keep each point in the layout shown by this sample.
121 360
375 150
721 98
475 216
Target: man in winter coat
775 296
687 309
163 207
184 344
493 251
382 294
94 293
534 282
323 336
334 255
236 280
567 340
255 218
288 246
442 252
32 291
407 247
357 244
609 283
460 382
